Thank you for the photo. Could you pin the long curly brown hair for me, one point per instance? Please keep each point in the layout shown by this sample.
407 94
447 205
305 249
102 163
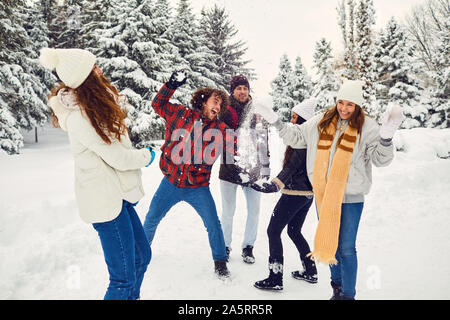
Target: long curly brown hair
98 100
203 94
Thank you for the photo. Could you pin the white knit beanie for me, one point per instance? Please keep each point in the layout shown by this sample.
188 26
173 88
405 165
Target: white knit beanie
73 66
305 109
351 90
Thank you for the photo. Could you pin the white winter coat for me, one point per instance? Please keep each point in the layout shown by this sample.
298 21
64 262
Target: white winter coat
105 174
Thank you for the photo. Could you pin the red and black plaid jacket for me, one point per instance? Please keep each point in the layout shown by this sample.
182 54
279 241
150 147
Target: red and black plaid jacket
181 162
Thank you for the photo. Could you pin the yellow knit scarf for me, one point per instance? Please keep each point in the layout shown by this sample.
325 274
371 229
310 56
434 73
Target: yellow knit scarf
330 193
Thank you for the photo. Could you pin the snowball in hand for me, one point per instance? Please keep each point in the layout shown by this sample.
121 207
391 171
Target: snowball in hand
180 76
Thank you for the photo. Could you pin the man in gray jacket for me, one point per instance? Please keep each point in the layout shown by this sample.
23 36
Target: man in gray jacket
238 116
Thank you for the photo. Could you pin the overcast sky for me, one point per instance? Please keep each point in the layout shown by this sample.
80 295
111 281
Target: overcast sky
271 28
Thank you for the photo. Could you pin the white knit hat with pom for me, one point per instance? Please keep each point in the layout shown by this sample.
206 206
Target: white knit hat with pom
351 90
73 66
305 109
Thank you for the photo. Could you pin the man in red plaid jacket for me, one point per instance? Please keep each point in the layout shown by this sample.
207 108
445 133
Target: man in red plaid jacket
194 140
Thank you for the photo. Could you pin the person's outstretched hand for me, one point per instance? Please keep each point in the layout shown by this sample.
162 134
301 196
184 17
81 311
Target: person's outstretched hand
177 79
265 111
392 119
266 187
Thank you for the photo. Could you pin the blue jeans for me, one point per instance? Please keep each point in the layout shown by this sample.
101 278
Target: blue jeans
344 273
228 192
127 253
200 199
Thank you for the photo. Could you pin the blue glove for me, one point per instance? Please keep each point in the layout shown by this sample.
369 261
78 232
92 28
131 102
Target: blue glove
152 153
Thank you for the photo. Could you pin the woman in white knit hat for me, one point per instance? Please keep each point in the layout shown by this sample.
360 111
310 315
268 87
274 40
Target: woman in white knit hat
107 167
342 145
291 209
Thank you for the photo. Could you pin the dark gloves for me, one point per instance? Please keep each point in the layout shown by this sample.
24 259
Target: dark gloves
266 187
177 79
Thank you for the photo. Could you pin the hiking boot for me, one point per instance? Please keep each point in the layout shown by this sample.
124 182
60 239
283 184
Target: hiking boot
247 254
337 291
220 268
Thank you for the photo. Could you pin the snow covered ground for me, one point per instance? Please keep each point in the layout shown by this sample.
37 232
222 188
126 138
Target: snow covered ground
47 252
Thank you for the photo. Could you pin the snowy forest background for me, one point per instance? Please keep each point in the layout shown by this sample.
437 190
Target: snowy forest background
140 42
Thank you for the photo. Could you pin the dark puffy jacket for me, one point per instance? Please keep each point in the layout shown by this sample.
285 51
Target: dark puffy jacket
294 176
234 117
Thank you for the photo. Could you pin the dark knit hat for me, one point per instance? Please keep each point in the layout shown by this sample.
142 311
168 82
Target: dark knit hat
238 81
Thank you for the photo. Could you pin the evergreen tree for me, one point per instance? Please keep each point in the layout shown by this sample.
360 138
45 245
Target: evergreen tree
66 20
282 88
10 138
195 57
441 77
21 91
327 84
95 12
127 55
154 62
227 55
181 33
35 24
50 10
394 68
202 61
346 21
364 48
428 27
167 54
302 84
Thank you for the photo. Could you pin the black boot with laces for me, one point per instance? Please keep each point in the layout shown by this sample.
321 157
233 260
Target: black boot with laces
220 268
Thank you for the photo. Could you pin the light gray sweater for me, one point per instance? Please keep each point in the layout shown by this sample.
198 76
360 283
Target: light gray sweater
369 148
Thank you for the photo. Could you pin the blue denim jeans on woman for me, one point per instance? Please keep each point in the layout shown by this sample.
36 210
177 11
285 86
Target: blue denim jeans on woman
344 273
127 253
200 199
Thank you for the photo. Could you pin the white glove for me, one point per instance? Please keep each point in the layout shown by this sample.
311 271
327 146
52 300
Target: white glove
391 121
265 111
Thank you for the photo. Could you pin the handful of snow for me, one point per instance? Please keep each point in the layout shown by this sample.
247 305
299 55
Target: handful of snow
260 182
180 76
244 177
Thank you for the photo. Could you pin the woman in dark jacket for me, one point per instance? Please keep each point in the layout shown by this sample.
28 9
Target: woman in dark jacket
291 209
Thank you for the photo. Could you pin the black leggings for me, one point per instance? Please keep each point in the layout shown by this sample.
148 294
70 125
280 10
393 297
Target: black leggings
290 210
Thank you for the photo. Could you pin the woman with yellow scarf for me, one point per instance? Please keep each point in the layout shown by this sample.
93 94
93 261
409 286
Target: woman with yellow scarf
342 144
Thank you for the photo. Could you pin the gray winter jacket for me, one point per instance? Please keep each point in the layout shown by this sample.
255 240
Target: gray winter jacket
369 148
